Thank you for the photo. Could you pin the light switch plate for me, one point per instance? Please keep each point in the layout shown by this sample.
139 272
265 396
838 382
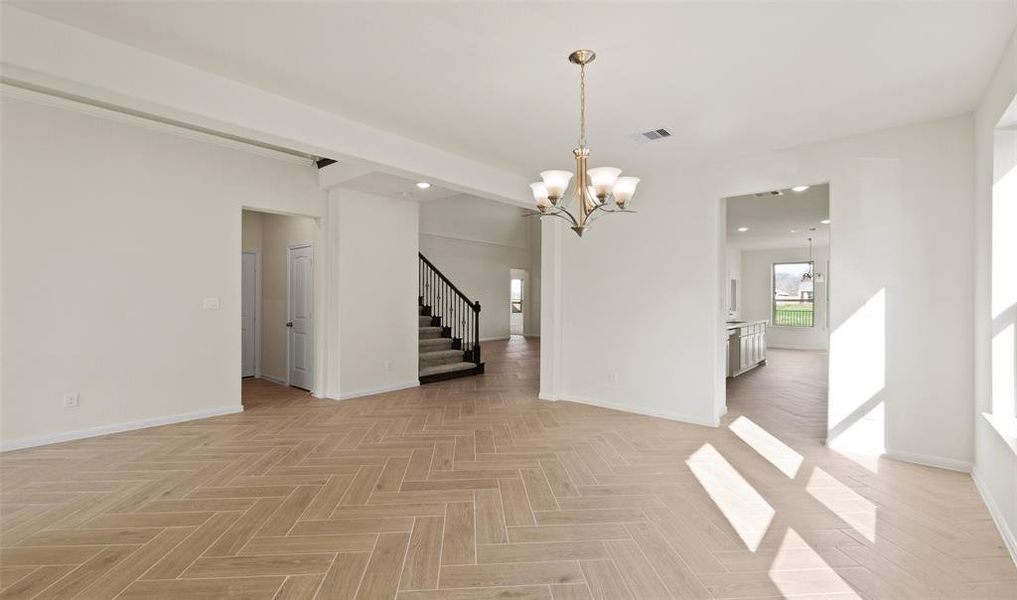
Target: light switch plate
71 400
210 304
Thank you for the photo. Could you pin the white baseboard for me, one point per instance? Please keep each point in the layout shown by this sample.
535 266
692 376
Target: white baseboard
640 411
797 347
548 397
929 461
68 436
372 391
997 517
495 339
272 378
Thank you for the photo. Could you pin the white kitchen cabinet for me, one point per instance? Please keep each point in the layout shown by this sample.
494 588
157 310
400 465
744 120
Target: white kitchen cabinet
746 346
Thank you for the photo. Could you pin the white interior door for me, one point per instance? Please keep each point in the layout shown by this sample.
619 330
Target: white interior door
248 312
300 322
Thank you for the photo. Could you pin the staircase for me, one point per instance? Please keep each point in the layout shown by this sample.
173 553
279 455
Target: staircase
449 338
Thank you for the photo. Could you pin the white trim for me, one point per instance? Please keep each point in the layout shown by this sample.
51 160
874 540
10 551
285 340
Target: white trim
929 461
661 414
257 308
372 391
148 122
547 397
68 436
997 517
495 339
452 238
272 378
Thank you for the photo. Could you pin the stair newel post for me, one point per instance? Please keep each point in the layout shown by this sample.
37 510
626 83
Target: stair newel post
476 332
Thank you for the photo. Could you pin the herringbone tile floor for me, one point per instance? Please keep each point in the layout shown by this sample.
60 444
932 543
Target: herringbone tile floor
474 489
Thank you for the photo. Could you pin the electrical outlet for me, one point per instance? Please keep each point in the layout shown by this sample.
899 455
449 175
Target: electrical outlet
210 304
71 400
613 377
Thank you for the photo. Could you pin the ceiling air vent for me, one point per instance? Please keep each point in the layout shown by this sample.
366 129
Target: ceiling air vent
651 135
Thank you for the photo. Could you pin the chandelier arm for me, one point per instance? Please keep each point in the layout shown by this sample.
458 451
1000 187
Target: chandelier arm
561 214
601 207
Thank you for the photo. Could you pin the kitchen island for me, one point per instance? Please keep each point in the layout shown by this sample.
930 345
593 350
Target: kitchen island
746 346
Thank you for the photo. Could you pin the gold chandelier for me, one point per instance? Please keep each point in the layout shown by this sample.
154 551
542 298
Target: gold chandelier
595 190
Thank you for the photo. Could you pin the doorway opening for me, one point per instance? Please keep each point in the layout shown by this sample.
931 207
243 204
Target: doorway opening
517 295
777 328
277 305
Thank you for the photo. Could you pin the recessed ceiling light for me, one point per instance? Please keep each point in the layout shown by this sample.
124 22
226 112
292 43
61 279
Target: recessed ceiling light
799 188
423 185
794 231
743 229
825 221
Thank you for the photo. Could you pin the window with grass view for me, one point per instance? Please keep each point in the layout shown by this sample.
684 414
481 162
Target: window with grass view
793 299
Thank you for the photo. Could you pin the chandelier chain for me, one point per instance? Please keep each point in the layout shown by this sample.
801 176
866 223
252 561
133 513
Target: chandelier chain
582 106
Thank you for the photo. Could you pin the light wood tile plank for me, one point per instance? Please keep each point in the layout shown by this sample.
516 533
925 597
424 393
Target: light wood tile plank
247 588
313 544
381 578
251 566
636 570
459 540
515 503
138 563
464 576
423 555
604 580
343 579
490 517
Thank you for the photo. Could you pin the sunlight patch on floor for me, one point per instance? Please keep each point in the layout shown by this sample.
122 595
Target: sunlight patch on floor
769 447
743 507
798 569
844 502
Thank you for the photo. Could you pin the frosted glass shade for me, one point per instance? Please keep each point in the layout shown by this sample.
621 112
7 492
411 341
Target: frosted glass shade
555 182
602 179
539 191
624 188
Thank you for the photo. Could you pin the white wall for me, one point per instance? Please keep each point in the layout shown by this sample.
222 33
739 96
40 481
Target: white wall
901 211
995 467
757 286
113 235
476 243
377 287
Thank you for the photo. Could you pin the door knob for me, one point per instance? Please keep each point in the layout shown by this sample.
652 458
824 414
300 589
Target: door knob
290 324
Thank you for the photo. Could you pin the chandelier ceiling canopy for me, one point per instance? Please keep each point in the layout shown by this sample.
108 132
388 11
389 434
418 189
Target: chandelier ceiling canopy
594 191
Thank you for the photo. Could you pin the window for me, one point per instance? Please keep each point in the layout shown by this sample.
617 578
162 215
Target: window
793 299
517 296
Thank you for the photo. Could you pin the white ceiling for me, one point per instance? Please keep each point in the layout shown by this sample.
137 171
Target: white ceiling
393 186
785 221
490 80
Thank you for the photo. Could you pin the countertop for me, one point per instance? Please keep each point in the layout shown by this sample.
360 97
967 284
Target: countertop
740 324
